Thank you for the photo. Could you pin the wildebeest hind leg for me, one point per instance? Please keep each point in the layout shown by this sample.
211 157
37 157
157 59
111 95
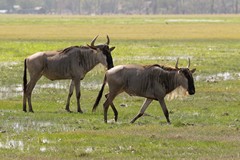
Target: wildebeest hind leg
106 104
24 102
143 108
114 109
115 112
30 87
69 95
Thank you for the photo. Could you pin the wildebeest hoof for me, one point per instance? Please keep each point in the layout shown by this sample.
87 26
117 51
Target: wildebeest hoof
69 111
80 111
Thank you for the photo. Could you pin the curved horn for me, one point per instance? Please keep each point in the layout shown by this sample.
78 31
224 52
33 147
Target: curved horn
108 40
93 41
188 63
176 66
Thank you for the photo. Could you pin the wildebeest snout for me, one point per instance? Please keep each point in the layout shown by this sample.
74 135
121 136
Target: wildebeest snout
191 92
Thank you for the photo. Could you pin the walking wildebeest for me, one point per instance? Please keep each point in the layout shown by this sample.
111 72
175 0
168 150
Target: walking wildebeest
70 63
152 82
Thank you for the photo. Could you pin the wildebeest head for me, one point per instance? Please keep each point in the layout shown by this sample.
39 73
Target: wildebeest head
105 57
186 78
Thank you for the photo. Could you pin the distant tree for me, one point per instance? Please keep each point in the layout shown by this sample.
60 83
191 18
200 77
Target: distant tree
49 5
236 6
223 8
27 4
127 6
183 6
10 4
212 7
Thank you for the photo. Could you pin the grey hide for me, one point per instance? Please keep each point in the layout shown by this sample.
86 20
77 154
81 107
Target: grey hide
152 82
71 63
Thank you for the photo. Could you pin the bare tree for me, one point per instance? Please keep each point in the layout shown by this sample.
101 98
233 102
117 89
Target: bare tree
126 6
236 6
212 7
10 4
183 6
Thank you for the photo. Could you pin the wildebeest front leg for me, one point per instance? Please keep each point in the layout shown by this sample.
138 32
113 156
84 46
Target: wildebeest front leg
143 108
165 110
69 95
78 95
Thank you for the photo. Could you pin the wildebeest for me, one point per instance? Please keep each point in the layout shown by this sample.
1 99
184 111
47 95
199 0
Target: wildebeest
153 82
70 63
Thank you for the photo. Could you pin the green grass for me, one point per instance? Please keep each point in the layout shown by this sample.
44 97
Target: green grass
204 126
119 27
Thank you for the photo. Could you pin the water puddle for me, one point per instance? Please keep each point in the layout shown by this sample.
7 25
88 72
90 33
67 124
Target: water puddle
13 91
43 149
194 20
56 85
10 91
17 127
40 126
91 86
225 76
19 145
8 64
12 144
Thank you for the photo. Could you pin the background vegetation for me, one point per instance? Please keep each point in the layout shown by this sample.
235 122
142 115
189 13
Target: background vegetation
204 126
100 7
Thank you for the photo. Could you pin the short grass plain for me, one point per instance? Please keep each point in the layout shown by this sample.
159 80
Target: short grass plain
204 126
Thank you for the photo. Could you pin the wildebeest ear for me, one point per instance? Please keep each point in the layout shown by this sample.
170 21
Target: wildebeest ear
112 48
193 70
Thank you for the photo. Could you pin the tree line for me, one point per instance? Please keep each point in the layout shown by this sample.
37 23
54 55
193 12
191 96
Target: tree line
100 7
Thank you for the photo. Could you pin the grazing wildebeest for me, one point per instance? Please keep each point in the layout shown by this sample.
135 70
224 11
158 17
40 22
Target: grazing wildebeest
70 63
152 82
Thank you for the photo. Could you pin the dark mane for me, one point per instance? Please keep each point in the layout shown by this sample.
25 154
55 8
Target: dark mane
166 68
65 50
84 47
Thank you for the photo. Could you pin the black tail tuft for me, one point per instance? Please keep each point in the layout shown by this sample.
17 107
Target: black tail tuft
99 96
25 76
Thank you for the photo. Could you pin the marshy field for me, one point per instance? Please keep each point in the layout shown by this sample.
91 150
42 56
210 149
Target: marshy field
204 126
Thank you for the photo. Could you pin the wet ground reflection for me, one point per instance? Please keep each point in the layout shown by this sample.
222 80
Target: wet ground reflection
16 90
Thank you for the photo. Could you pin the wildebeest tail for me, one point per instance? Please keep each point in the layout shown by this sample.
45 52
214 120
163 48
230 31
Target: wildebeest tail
25 76
99 95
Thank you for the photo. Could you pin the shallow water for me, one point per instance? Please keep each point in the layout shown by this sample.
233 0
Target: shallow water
8 64
16 90
17 127
194 20
12 91
32 125
12 144
225 76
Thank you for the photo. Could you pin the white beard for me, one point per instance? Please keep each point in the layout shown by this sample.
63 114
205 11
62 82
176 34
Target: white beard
179 92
